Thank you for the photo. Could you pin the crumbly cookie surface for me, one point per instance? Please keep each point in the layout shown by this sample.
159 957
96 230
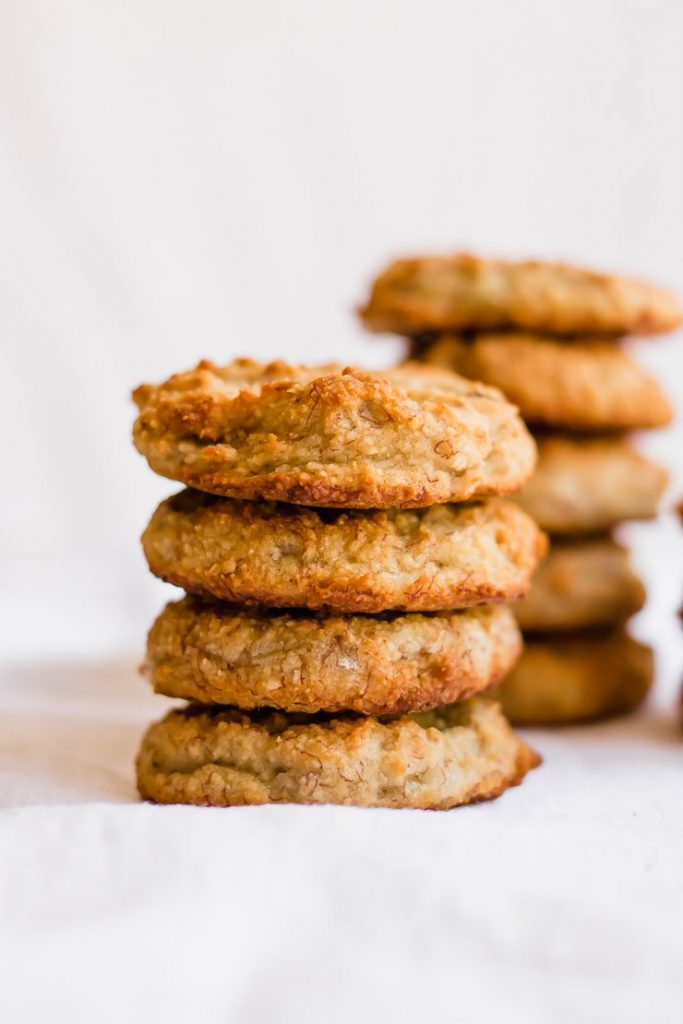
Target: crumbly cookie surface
328 436
577 679
458 292
220 654
589 485
581 584
586 385
286 556
434 760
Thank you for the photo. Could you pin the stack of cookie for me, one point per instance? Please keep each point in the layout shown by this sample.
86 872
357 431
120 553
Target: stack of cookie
335 537
547 335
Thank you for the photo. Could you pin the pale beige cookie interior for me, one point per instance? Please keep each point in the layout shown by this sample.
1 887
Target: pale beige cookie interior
302 662
588 485
576 679
328 436
584 583
434 760
458 292
286 556
587 385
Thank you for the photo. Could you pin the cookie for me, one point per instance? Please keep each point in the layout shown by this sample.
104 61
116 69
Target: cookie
461 292
589 485
581 584
587 385
438 759
327 436
302 662
286 556
577 679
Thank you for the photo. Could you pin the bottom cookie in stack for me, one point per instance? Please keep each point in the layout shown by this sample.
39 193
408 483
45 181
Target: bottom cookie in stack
309 687
437 759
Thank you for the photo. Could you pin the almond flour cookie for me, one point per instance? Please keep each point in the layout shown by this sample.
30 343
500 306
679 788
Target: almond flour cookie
434 760
403 438
285 556
587 385
577 679
460 292
589 485
582 584
301 662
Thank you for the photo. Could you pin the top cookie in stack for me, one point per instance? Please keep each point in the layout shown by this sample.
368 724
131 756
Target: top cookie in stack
449 294
338 496
332 437
547 335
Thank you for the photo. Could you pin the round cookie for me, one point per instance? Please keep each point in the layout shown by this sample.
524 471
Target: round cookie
303 662
587 385
434 760
589 485
462 292
577 679
580 585
285 556
327 436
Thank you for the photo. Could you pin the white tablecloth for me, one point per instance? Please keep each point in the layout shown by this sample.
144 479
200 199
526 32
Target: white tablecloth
562 901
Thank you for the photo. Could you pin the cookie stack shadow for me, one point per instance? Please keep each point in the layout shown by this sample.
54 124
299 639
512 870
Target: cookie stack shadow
347 563
549 336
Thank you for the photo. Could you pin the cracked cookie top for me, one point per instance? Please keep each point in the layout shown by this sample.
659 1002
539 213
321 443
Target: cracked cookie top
328 436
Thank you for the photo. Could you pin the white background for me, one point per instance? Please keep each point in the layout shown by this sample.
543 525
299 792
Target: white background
180 180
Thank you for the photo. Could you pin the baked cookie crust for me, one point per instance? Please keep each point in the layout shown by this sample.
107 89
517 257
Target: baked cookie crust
435 760
581 584
577 679
591 484
327 436
286 556
586 385
219 654
460 291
